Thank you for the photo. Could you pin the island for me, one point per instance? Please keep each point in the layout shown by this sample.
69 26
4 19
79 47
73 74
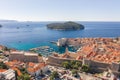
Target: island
65 26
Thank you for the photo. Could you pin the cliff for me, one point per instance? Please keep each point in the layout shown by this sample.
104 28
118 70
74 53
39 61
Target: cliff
62 42
65 26
69 42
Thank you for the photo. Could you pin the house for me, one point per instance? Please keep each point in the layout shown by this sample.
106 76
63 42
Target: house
36 69
110 75
7 74
15 63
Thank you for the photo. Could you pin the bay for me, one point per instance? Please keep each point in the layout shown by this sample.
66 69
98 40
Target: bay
27 35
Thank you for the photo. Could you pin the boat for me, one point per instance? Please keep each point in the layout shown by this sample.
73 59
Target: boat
17 27
27 25
44 50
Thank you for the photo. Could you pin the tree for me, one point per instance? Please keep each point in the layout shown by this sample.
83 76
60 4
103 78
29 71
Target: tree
3 65
18 78
74 73
78 63
39 54
54 75
72 64
24 77
85 68
6 49
1 51
23 70
51 78
16 75
75 64
66 64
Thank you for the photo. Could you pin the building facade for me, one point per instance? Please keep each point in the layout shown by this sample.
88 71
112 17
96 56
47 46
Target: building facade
7 75
24 56
37 69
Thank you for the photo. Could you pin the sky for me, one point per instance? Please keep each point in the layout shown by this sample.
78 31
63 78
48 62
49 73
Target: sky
60 10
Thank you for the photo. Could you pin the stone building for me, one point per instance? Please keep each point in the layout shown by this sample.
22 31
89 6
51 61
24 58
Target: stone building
17 56
24 56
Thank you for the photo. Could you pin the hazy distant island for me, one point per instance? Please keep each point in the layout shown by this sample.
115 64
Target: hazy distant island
8 20
65 26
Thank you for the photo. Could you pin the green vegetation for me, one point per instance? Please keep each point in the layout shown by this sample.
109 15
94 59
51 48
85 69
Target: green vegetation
118 61
75 65
1 51
23 70
24 77
85 68
65 26
74 73
6 49
1 56
66 65
39 54
54 75
71 64
3 65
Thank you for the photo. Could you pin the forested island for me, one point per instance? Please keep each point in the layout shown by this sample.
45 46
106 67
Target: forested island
65 26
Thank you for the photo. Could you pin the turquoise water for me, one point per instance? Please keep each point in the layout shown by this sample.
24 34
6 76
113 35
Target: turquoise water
27 35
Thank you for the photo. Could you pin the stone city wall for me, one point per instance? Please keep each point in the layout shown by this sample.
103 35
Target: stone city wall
100 67
115 67
57 61
95 66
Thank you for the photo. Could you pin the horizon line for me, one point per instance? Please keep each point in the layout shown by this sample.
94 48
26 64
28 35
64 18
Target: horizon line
58 20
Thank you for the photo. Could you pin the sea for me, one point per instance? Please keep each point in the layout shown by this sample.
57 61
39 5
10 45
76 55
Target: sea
27 35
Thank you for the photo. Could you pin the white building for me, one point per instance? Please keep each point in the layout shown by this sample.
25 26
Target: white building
7 75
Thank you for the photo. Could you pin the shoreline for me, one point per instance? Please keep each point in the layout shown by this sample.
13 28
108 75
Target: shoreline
68 45
93 52
55 42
